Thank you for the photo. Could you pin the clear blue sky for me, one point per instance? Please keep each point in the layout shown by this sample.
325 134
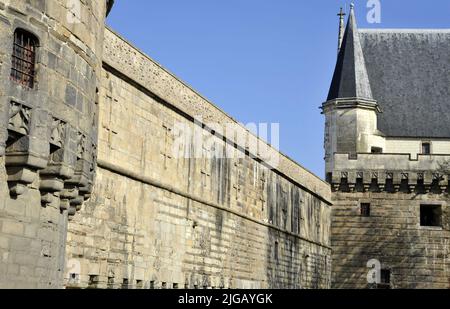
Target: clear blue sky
261 60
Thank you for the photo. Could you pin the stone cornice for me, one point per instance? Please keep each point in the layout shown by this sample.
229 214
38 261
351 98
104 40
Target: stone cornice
349 103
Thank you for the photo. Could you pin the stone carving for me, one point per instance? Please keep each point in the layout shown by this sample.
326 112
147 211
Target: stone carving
81 145
93 162
57 132
19 118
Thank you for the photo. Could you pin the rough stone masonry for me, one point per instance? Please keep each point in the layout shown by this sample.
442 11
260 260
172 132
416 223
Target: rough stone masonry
94 193
78 101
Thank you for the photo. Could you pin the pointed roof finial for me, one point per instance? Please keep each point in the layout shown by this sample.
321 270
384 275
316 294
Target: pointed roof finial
350 79
341 28
352 6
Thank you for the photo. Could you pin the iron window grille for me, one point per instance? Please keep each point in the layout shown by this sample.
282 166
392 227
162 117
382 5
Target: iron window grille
23 67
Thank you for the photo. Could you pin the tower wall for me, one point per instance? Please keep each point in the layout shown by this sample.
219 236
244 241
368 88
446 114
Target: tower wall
403 194
48 134
349 128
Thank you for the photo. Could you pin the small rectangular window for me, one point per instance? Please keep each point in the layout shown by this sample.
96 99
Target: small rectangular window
385 276
23 59
431 215
377 150
426 148
385 279
365 209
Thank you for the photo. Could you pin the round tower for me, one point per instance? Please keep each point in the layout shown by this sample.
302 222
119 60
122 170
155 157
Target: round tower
50 61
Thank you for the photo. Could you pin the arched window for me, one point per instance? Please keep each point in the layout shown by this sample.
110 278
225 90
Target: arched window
24 58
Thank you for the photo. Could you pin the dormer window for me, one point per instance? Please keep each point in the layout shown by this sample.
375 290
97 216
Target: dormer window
24 58
426 148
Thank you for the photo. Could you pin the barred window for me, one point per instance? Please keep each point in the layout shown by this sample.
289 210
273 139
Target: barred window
365 209
24 58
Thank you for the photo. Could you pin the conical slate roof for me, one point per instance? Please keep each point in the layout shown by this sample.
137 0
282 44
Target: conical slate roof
350 79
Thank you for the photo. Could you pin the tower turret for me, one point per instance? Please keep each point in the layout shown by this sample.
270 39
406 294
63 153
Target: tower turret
350 110
50 61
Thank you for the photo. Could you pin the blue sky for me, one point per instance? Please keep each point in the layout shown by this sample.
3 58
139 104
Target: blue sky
261 60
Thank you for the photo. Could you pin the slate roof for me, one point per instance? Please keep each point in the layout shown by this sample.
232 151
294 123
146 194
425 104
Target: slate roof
350 79
408 75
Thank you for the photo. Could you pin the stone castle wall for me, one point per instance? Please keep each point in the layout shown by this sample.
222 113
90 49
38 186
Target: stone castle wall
48 134
158 221
416 256
396 186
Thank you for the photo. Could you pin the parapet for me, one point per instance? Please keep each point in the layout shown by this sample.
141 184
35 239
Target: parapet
139 68
390 173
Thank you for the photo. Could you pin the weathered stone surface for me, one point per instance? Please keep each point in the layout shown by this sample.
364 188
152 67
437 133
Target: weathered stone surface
159 221
153 220
416 256
40 155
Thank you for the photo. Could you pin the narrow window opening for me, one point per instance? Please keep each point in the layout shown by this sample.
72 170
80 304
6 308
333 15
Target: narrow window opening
23 59
175 286
276 253
152 285
139 284
426 148
164 285
365 210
